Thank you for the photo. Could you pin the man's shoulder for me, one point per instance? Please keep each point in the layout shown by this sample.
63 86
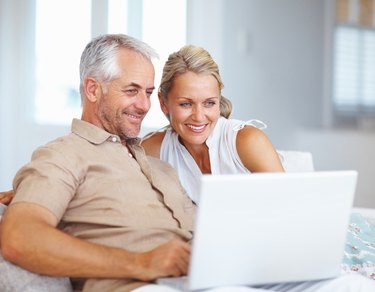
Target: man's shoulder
64 141
64 146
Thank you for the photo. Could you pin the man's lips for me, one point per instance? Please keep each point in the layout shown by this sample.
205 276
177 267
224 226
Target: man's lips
135 116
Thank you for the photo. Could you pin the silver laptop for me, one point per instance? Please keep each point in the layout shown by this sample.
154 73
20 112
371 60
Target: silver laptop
269 228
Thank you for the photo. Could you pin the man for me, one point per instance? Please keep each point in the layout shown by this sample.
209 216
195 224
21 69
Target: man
91 206
97 185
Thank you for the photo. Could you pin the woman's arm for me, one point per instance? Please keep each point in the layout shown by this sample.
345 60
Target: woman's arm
6 197
152 143
256 151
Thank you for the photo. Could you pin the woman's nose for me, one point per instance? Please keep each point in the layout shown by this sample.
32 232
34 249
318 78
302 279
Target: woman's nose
198 113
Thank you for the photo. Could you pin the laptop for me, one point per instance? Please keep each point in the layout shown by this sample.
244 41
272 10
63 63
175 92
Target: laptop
267 228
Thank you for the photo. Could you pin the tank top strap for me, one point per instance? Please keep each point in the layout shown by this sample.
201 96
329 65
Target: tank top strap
253 122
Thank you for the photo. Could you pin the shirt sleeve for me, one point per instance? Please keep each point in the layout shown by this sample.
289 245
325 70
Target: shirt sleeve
48 180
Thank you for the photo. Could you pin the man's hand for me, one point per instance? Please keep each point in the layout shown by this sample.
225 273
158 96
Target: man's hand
170 259
6 197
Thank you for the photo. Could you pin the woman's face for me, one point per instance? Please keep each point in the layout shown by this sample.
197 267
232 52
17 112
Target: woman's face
193 106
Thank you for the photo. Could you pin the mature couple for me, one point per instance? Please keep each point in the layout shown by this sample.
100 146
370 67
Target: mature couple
93 207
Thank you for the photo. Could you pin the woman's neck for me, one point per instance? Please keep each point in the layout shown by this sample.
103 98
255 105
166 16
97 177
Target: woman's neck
200 155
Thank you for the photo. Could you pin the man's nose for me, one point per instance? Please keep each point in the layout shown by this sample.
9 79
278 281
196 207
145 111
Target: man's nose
143 101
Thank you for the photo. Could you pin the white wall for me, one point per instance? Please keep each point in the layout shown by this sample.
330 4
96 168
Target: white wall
344 149
272 55
19 135
273 59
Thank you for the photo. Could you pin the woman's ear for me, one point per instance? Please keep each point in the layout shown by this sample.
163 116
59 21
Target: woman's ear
163 106
92 89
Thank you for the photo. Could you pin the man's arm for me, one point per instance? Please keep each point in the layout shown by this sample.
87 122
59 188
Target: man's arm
29 238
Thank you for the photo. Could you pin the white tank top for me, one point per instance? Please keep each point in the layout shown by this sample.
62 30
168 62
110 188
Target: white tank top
224 158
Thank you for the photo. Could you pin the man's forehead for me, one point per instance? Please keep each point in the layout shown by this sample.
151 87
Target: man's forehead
139 73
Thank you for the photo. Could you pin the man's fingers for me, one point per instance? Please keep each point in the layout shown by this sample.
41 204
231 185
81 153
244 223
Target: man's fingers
181 257
168 260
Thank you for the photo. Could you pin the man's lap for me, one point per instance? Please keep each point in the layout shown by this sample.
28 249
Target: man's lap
14 278
347 283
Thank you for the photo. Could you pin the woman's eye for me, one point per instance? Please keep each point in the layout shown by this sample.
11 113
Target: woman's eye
210 103
185 104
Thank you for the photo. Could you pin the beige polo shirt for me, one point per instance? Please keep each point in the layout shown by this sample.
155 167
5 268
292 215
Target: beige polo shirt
102 193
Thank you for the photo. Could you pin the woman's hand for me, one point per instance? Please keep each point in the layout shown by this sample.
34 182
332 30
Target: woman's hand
6 197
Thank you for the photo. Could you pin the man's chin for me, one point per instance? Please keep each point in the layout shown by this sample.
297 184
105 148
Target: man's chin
132 134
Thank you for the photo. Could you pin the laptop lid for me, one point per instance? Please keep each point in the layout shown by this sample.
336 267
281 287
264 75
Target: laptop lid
270 228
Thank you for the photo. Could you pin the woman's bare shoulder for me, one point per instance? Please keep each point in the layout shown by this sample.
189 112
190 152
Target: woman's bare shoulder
152 143
256 150
250 133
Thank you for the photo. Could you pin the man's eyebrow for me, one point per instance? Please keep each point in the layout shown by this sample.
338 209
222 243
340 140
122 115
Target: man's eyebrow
139 86
134 85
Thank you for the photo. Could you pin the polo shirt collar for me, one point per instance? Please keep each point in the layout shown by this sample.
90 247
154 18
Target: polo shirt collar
94 134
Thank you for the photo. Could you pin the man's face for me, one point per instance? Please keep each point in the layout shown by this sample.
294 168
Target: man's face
126 100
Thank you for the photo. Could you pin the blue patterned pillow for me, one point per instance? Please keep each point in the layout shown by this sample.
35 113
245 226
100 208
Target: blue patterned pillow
359 256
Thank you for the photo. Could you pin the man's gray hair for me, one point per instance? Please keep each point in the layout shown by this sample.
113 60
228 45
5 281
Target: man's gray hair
99 58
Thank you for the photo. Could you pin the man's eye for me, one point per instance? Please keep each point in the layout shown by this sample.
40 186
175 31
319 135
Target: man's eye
132 91
149 92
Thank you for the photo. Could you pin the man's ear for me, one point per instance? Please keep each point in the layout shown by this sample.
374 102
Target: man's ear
92 89
163 106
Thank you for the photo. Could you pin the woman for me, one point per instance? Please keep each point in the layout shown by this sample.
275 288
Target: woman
201 139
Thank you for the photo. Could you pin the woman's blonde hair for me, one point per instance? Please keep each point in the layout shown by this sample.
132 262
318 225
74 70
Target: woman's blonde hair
194 59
